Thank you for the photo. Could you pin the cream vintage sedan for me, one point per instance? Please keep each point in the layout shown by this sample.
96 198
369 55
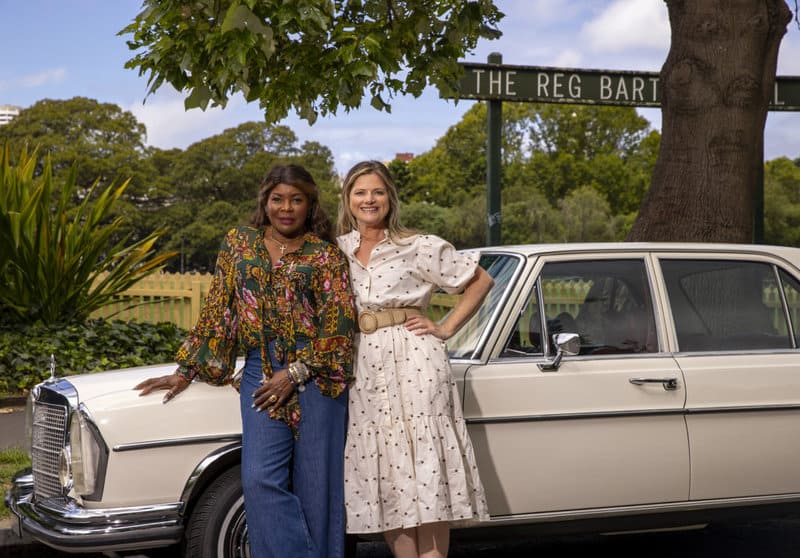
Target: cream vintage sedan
607 387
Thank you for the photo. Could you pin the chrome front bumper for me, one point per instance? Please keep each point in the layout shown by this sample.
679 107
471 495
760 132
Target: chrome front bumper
63 525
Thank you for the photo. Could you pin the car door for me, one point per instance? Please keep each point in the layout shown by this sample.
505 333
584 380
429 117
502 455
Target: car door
737 348
606 428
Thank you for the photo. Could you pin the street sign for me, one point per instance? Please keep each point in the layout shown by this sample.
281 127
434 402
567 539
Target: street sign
538 84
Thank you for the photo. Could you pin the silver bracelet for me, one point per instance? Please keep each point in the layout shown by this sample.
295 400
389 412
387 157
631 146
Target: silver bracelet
298 375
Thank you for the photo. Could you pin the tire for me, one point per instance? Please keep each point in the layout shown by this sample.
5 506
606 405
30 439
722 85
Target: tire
217 527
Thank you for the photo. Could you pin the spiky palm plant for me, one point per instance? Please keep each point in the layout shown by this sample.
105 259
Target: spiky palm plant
60 263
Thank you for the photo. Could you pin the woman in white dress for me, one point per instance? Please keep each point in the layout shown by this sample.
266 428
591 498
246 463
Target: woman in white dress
409 464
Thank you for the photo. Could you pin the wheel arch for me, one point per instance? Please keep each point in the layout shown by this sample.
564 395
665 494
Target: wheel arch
207 471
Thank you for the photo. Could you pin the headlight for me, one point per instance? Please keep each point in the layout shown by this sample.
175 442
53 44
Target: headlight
84 459
65 469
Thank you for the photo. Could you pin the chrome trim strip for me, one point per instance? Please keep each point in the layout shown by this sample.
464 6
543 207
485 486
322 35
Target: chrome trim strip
68 511
744 409
726 352
623 414
194 440
621 511
572 416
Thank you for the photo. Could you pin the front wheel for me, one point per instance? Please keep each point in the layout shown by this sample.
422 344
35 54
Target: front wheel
217 526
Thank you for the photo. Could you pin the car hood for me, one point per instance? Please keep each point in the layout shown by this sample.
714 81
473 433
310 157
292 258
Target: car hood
114 382
124 416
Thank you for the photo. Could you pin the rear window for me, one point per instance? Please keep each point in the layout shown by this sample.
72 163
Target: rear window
723 305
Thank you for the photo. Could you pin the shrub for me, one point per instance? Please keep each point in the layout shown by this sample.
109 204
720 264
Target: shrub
91 347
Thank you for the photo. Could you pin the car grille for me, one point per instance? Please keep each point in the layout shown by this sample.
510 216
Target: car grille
49 435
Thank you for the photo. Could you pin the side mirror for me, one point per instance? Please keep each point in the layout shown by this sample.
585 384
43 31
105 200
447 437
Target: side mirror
566 344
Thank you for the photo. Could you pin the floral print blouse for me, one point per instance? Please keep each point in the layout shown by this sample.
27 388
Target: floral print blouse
305 298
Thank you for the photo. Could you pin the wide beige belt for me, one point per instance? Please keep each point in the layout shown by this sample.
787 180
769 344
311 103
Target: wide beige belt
369 321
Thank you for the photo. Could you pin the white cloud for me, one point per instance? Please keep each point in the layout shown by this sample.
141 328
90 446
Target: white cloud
627 25
569 58
170 125
38 79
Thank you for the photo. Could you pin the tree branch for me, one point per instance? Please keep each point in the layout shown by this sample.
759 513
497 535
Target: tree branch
795 14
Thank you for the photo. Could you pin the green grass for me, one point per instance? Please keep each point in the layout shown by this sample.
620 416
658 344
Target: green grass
11 461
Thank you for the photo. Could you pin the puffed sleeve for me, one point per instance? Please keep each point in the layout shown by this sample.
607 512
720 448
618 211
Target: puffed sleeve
439 263
210 349
329 356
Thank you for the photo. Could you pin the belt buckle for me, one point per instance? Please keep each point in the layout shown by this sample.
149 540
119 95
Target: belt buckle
367 321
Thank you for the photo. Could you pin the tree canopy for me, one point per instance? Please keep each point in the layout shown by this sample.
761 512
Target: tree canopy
101 140
308 55
214 184
554 158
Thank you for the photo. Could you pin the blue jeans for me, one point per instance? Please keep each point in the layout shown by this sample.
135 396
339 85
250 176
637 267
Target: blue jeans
307 521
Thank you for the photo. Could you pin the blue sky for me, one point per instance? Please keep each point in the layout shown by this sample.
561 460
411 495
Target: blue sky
59 49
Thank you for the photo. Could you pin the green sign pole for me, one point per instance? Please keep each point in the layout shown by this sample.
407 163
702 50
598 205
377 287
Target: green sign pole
494 123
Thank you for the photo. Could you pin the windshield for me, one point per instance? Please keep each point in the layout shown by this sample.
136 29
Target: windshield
466 342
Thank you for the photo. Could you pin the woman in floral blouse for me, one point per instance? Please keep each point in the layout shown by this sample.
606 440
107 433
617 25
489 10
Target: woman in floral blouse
281 296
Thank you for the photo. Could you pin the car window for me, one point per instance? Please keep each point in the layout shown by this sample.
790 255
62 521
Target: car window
723 305
503 269
606 302
526 339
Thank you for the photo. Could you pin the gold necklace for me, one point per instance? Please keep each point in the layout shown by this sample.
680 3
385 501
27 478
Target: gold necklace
281 246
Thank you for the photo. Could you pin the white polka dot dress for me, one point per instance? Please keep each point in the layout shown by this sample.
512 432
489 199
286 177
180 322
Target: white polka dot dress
408 457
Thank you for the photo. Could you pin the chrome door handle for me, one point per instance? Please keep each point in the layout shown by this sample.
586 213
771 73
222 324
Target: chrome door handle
668 383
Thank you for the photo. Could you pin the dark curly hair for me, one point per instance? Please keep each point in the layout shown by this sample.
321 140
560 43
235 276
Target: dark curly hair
294 175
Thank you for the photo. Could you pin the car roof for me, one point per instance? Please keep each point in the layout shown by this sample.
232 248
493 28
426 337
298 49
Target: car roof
787 252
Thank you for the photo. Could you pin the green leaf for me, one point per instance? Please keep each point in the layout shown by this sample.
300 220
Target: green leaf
362 68
198 98
241 17
377 103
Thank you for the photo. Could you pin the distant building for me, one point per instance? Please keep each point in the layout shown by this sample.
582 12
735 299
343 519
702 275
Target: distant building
8 113
405 157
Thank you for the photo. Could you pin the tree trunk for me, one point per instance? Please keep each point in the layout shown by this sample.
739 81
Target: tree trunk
716 85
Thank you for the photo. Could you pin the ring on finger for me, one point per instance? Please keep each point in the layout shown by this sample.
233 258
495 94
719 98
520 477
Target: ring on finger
272 399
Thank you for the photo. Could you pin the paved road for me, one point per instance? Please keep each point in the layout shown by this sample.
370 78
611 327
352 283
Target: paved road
12 425
769 539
